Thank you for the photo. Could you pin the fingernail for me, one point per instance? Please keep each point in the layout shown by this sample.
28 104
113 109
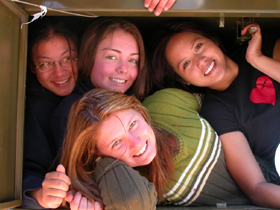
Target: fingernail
165 8
157 13
146 5
150 10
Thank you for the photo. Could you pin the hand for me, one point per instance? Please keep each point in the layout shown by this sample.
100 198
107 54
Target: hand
78 202
160 5
54 188
254 50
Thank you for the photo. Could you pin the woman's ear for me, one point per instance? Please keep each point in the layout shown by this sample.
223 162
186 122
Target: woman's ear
33 67
183 81
96 152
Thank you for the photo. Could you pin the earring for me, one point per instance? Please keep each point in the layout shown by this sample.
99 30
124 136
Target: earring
188 83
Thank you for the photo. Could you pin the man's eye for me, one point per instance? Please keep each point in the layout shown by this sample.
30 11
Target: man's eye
198 46
186 64
116 143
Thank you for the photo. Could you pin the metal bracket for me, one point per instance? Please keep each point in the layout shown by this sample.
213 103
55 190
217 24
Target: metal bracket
240 24
222 20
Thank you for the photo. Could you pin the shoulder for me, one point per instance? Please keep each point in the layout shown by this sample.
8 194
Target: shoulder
173 97
65 105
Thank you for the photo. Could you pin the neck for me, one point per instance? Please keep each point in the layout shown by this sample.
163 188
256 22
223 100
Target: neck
230 75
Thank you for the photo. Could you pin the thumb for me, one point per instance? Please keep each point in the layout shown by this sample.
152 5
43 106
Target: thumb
60 168
69 196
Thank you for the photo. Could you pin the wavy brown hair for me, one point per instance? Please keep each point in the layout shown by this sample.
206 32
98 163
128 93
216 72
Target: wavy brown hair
97 32
79 149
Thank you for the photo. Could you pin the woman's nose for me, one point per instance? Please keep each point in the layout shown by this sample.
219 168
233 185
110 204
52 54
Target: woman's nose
200 61
122 68
134 142
58 69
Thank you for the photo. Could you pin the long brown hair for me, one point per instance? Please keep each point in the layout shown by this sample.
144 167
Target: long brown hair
97 32
79 149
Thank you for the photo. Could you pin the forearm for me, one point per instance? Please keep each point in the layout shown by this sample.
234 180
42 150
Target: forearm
267 65
266 194
122 187
245 170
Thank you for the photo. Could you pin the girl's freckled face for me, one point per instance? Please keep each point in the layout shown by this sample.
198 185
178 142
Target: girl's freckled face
116 62
196 59
125 135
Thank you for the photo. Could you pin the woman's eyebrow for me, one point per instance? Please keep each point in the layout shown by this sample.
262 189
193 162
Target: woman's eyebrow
46 57
118 51
107 48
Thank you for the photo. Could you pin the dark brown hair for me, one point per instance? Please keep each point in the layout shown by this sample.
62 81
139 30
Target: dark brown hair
163 75
46 28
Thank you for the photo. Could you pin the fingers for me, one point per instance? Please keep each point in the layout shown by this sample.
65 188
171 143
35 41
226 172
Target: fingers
158 5
82 203
248 27
60 168
58 175
55 187
69 196
52 201
98 206
91 206
74 205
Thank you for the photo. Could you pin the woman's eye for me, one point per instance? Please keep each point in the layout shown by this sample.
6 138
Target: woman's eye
132 124
112 57
116 143
66 59
186 64
198 46
135 61
45 64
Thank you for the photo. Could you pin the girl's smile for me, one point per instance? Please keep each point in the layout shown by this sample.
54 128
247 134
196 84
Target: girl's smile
125 135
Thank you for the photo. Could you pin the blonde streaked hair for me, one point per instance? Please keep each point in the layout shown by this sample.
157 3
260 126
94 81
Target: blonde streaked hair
79 149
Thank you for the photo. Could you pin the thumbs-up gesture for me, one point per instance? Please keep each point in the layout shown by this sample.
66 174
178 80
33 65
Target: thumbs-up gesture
54 188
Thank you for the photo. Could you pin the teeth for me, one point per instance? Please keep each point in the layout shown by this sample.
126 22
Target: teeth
142 150
118 80
62 82
210 68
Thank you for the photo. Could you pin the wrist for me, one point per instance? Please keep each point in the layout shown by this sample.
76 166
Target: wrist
37 195
255 59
